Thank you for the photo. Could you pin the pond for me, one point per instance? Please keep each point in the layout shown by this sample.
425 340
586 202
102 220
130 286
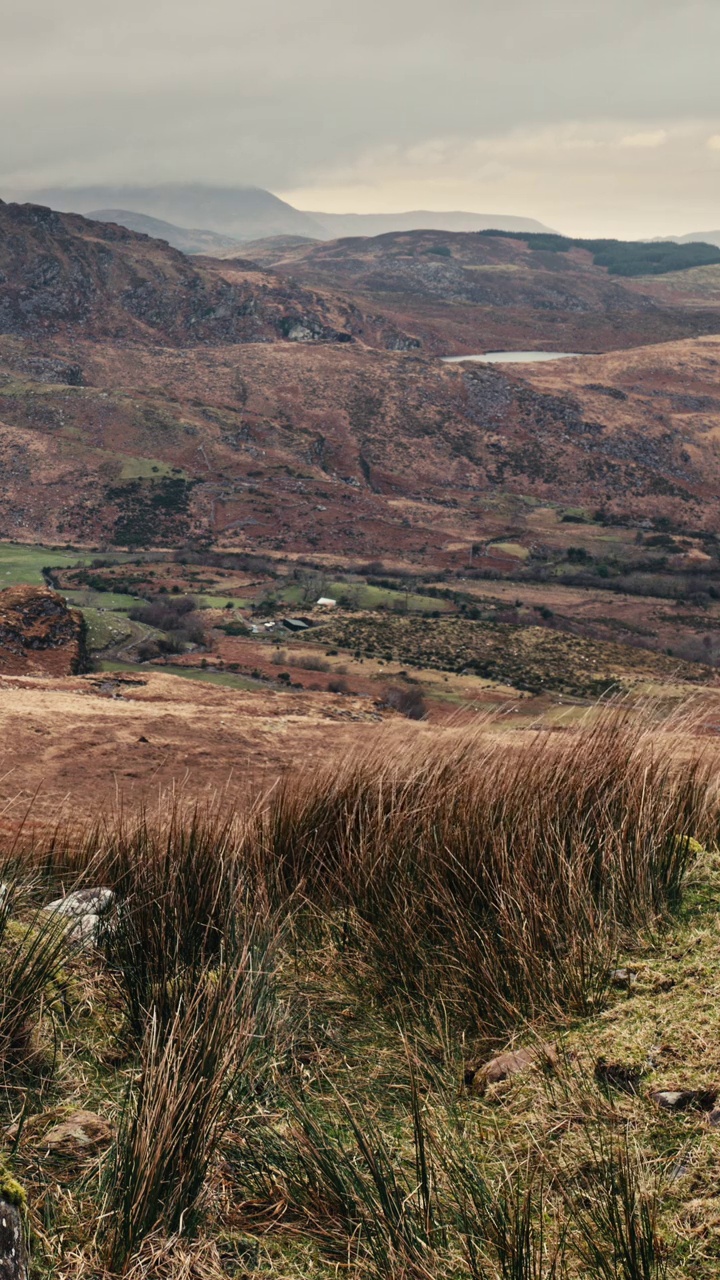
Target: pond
512 357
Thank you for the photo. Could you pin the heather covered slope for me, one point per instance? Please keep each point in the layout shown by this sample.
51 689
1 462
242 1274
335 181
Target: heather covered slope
463 292
62 273
147 399
344 449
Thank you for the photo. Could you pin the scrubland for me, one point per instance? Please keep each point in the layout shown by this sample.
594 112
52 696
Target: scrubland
285 1022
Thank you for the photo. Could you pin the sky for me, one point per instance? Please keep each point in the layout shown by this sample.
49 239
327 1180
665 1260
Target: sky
598 118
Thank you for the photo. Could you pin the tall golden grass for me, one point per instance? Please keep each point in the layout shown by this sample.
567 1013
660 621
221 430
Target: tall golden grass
486 882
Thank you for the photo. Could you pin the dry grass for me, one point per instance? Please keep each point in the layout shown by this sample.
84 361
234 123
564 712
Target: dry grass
495 882
298 987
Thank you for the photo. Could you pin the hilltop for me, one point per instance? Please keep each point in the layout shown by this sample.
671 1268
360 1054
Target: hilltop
62 273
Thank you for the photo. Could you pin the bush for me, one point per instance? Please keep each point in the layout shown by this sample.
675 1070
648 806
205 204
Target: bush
409 702
165 614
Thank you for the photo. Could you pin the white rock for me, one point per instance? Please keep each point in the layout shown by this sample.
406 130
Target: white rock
83 902
85 908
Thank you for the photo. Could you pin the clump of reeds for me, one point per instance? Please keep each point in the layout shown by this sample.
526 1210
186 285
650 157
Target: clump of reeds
614 1203
494 878
33 950
196 1067
182 901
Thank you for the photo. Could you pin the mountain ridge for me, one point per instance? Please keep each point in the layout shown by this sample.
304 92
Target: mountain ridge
248 213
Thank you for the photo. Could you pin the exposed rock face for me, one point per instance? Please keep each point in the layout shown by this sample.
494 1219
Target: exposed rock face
13 1257
39 633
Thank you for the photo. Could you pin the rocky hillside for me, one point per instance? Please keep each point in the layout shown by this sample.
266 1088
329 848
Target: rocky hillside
39 634
473 292
62 273
346 449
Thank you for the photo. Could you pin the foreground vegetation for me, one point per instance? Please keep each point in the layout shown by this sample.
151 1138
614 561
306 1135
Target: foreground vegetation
286 1014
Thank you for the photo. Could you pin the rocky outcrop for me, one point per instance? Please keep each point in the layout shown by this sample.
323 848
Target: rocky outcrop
40 633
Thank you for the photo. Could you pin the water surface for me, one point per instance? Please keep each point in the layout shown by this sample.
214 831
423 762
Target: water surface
512 357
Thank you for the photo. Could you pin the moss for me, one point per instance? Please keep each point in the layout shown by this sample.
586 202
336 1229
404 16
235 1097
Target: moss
10 1189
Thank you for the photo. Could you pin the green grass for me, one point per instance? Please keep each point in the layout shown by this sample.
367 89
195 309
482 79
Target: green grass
86 598
226 678
105 629
368 597
219 602
148 469
24 564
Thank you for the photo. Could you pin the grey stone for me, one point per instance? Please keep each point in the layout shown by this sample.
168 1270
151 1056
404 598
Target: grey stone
84 909
13 1254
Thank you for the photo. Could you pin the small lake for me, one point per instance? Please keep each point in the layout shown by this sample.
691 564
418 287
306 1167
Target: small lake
512 357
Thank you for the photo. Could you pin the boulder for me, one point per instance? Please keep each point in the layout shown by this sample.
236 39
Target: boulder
84 910
510 1063
13 1254
82 1134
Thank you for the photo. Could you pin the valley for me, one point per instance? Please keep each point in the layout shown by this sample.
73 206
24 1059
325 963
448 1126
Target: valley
359 714
171 412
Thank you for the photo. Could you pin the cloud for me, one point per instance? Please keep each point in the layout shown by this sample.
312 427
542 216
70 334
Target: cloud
655 138
714 142
293 95
579 177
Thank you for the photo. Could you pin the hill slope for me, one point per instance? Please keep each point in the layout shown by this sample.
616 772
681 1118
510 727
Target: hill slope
464 292
377 224
186 239
65 273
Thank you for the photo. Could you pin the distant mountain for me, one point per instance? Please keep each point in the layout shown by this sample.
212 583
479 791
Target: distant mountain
185 239
251 213
244 213
697 237
378 224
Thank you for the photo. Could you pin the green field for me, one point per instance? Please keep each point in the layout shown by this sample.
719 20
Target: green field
366 597
19 563
106 628
86 598
219 602
226 678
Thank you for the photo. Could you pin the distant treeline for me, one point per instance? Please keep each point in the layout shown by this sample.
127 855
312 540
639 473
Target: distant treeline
622 257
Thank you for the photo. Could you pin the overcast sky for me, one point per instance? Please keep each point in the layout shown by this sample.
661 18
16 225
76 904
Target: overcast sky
597 117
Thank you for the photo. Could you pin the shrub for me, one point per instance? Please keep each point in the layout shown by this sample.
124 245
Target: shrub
409 702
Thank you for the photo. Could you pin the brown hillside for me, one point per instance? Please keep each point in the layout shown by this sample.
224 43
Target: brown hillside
345 449
61 273
462 292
